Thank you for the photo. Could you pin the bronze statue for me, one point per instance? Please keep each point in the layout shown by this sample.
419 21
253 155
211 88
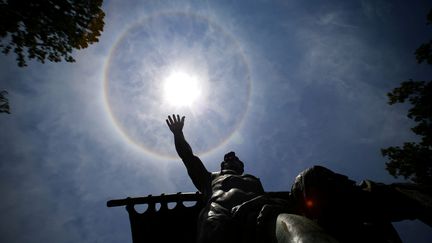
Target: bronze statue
321 203
227 192
237 207
322 206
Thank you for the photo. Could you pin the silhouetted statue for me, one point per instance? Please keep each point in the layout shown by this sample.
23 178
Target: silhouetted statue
237 209
227 193
362 212
322 206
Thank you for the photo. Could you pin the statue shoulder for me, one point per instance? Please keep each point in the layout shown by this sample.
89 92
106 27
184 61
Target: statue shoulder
249 176
214 175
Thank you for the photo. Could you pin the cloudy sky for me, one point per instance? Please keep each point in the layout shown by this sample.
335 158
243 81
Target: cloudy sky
285 84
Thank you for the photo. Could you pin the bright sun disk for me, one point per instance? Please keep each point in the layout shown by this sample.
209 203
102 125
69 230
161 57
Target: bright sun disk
181 89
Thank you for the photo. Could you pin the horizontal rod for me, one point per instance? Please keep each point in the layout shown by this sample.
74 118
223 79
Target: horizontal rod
163 198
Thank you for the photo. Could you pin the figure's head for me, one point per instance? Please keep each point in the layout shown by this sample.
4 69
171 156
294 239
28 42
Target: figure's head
232 163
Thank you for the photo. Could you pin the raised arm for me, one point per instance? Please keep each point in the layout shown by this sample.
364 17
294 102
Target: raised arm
195 168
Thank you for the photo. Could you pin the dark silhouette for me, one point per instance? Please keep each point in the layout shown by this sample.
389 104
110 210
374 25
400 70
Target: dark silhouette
4 102
175 224
232 198
49 30
358 212
239 210
414 160
178 223
322 206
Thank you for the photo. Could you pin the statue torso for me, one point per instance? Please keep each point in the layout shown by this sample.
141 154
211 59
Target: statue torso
230 190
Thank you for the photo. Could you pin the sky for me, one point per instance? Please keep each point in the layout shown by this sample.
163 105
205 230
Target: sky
284 84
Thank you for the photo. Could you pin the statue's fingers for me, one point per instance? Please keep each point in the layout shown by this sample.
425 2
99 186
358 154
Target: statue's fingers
178 118
174 118
167 122
182 120
170 120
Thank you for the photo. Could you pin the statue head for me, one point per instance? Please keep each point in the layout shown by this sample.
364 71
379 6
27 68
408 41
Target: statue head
232 163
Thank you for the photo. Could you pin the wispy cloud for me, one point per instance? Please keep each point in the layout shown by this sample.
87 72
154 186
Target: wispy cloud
319 76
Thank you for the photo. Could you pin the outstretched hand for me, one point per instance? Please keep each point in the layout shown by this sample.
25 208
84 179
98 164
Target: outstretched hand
175 124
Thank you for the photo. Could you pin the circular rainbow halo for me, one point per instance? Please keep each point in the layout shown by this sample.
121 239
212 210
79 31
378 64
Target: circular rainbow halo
177 63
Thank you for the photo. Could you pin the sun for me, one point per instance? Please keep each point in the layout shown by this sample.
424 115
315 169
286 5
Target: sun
181 89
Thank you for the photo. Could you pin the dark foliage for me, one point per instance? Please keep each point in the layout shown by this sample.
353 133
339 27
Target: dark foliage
414 160
4 103
48 29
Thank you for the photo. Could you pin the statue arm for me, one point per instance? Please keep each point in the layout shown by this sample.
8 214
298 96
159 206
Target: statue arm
195 168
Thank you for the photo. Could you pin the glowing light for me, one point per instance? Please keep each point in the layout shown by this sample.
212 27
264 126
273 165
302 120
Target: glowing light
309 203
181 89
